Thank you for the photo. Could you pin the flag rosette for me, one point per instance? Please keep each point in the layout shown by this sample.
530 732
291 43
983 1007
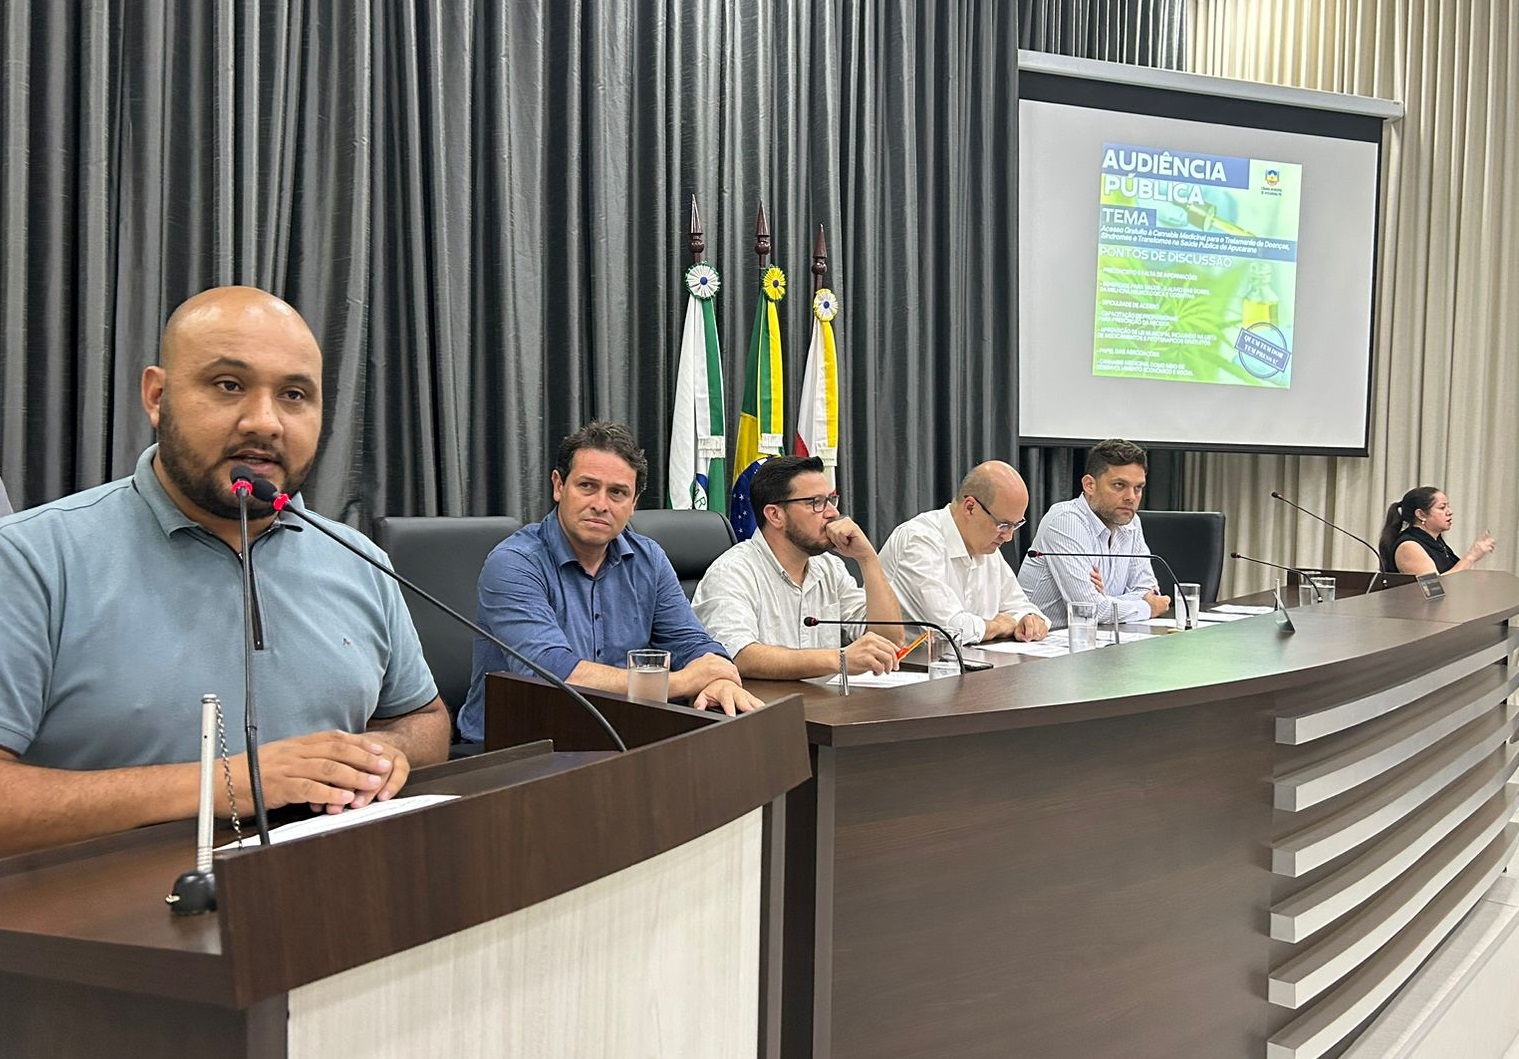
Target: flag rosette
703 281
773 283
825 304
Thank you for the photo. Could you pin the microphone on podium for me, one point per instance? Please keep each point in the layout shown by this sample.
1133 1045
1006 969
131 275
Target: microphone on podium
811 622
264 490
1303 578
243 480
1186 607
1375 555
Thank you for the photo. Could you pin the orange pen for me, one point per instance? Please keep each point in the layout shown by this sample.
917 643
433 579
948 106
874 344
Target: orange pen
904 652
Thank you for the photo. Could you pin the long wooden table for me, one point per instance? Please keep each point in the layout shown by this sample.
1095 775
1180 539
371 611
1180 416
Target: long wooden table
1229 842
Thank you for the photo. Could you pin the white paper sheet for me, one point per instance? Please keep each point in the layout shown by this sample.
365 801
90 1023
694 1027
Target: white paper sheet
1058 643
321 823
898 679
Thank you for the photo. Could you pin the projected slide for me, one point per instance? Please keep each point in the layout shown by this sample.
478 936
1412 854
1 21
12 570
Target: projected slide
1196 267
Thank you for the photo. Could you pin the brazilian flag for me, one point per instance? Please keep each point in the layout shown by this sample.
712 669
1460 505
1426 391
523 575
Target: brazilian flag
761 423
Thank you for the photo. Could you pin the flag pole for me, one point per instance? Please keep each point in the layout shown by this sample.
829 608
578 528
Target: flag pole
762 251
819 261
762 237
694 241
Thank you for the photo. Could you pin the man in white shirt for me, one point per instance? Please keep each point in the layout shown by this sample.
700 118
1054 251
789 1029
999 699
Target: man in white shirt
755 595
1102 521
947 566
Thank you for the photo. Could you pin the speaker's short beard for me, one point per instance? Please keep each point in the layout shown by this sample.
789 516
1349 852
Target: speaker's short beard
204 486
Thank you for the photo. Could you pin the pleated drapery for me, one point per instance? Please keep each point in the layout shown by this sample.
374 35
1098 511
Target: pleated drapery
1446 381
481 209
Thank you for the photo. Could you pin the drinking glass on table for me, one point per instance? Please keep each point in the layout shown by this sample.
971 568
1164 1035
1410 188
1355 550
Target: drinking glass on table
941 657
1189 599
649 675
1315 590
1081 626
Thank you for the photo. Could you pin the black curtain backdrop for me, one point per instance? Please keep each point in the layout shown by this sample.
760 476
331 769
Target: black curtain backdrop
481 210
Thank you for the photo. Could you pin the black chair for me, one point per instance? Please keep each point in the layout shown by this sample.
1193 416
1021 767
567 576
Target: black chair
444 556
1193 543
692 539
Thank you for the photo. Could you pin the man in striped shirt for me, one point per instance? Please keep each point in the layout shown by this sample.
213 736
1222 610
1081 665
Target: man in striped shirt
1102 524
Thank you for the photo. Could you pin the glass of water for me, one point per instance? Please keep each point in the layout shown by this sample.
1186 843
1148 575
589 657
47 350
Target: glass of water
1315 590
1081 626
649 675
1188 600
941 657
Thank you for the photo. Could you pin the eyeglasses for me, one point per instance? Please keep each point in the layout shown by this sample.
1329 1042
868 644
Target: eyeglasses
1008 528
815 503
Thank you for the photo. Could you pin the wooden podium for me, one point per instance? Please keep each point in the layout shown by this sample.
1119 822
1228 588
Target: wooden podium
569 903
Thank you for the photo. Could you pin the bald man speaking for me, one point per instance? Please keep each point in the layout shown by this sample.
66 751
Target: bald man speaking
947 566
122 606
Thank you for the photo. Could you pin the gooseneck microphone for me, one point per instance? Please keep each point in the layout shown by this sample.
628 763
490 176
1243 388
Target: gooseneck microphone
811 621
1375 555
1303 578
264 490
242 484
1186 608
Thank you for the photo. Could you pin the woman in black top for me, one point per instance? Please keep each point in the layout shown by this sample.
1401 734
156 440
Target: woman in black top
1413 540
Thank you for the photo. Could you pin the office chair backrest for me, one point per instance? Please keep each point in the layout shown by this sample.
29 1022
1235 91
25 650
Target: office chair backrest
1192 542
444 556
692 539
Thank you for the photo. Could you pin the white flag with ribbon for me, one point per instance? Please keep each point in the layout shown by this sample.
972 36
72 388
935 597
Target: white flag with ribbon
817 415
698 447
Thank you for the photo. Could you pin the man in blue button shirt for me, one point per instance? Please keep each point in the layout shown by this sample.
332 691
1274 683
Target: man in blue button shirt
121 605
576 592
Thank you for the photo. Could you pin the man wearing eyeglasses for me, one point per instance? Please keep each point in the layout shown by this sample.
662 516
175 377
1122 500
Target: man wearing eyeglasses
1103 520
754 597
947 566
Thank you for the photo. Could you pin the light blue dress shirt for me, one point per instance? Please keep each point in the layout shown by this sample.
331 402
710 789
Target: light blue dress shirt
1052 581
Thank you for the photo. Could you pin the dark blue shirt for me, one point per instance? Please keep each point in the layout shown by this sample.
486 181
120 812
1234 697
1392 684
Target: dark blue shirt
535 595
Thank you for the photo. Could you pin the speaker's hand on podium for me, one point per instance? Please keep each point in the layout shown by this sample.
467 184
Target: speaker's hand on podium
400 771
330 771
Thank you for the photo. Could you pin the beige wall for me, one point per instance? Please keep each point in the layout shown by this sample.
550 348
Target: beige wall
1446 382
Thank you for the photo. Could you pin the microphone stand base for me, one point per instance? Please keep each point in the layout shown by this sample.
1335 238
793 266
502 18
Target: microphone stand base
194 893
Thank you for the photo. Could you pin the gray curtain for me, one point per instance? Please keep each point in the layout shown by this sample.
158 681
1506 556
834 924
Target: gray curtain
481 209
1141 33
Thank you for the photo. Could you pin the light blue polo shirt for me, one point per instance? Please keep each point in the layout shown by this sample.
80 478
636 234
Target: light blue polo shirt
117 613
